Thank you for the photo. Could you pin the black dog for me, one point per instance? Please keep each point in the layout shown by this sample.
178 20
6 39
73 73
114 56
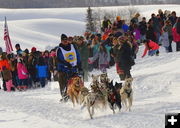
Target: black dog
114 97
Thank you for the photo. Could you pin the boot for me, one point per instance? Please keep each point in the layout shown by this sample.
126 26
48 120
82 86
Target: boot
24 87
19 88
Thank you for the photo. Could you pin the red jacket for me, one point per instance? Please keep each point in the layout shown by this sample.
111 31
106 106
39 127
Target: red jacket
176 36
152 45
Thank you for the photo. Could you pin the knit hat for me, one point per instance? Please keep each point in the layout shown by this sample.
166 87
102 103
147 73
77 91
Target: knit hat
17 45
33 49
118 18
63 37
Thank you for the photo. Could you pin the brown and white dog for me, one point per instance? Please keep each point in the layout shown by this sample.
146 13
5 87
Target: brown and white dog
95 98
73 88
126 93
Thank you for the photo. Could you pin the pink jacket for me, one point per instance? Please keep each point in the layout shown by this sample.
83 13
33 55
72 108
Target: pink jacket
176 36
152 46
22 71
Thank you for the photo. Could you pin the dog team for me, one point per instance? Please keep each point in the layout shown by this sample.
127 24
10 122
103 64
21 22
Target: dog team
101 93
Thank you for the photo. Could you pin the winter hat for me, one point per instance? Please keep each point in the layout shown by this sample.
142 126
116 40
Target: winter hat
17 45
118 18
63 37
26 51
33 49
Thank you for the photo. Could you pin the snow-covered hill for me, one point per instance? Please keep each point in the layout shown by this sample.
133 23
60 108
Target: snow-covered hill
156 82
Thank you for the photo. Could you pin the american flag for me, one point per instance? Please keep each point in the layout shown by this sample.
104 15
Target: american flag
7 39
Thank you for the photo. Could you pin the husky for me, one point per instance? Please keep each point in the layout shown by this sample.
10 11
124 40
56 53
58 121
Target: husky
126 93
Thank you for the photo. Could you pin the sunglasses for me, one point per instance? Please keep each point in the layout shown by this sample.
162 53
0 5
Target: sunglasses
65 39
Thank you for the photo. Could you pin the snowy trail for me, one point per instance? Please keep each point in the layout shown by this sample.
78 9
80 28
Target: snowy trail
67 116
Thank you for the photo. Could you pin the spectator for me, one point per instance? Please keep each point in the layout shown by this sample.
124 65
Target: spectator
176 34
151 47
18 49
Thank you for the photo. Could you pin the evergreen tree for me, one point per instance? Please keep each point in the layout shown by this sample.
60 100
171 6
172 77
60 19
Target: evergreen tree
90 21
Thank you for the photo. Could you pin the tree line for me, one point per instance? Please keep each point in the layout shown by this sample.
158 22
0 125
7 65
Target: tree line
77 3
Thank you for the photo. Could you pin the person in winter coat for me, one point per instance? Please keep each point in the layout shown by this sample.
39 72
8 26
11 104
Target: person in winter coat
168 27
95 46
8 79
143 29
118 23
18 49
42 71
22 74
151 47
103 58
164 39
176 34
105 24
150 33
173 18
4 63
116 48
53 64
108 43
125 57
32 62
7 76
13 65
156 27
136 33
125 27
84 54
135 20
47 61
68 64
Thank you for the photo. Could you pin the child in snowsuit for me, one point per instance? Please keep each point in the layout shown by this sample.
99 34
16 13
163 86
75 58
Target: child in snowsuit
42 71
22 75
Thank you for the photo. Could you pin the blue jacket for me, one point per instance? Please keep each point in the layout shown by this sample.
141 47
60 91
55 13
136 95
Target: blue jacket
63 65
42 71
125 27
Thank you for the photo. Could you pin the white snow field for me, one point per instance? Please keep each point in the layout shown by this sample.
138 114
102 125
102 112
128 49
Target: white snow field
156 84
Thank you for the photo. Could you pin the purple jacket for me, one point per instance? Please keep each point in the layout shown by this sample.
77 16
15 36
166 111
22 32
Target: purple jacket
137 34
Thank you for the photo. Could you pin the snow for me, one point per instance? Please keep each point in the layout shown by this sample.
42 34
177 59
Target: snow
155 86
